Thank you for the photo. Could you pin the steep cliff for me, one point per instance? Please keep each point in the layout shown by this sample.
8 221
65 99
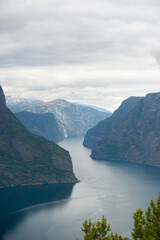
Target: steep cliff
26 159
103 128
44 125
2 100
137 138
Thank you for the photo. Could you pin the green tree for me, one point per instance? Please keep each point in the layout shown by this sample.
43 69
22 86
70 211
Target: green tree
146 226
99 230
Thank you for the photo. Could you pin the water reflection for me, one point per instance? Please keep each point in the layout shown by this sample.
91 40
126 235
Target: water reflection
12 201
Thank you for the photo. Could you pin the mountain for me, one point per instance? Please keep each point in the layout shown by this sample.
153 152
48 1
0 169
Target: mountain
27 159
101 109
95 107
103 128
137 138
44 125
73 120
16 104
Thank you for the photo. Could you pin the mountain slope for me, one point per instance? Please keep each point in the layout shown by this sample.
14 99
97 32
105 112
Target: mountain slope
73 120
103 128
137 138
44 125
26 159
100 109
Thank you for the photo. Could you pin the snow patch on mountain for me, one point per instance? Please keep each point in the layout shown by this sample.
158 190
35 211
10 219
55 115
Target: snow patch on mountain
73 120
15 103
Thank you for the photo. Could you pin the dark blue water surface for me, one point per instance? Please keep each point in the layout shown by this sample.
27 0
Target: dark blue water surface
56 212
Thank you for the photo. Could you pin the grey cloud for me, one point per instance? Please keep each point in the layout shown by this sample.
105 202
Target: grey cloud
13 16
50 32
98 52
156 54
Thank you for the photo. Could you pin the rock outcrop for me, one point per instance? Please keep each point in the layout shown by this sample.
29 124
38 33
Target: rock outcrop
137 138
27 159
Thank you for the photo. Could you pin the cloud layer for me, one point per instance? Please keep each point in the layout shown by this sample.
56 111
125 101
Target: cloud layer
99 52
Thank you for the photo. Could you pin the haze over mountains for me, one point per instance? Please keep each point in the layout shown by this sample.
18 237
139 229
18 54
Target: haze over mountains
16 104
27 159
132 134
73 119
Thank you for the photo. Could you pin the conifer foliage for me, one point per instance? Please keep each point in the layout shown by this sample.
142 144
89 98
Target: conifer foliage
146 226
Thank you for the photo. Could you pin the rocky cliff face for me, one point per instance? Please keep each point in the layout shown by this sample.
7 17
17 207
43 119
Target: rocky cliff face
137 138
27 159
103 128
44 125
2 100
73 120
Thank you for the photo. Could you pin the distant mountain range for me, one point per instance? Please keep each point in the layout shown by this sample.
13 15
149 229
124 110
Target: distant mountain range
73 120
27 159
100 109
95 107
103 128
16 104
137 137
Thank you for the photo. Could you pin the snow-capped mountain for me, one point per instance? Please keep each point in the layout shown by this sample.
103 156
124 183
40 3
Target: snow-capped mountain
16 104
73 120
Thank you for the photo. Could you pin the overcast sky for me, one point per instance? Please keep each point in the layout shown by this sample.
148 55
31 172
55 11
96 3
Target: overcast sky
90 51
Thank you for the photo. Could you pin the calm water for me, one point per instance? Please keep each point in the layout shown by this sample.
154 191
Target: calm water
112 189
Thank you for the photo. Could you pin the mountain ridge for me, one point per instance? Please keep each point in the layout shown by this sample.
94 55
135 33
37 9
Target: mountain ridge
137 138
103 128
16 104
73 120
